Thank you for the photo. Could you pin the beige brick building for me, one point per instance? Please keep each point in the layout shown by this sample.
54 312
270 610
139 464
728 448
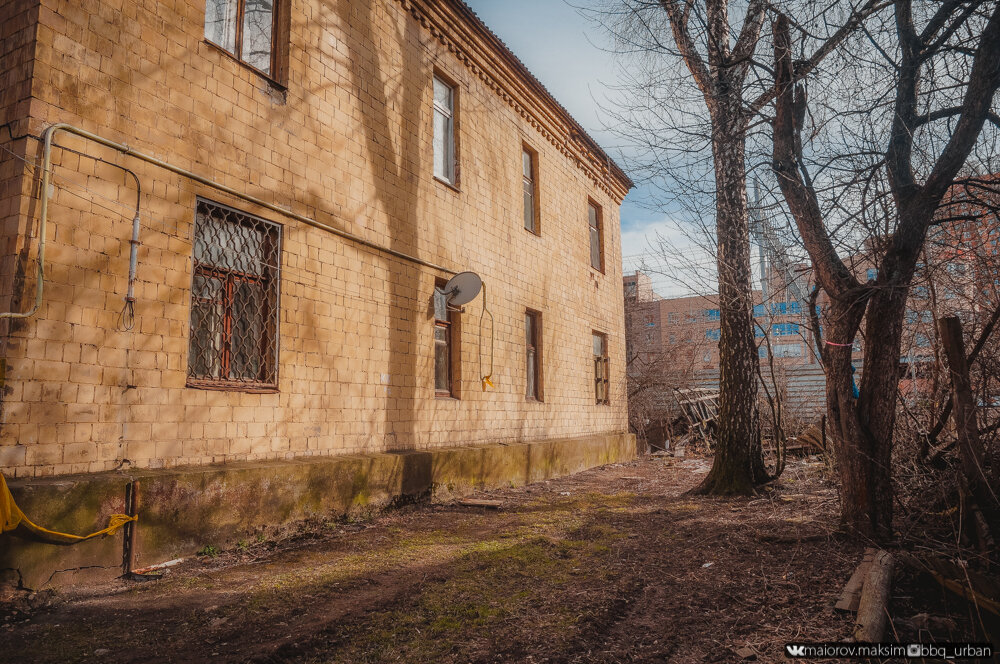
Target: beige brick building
257 335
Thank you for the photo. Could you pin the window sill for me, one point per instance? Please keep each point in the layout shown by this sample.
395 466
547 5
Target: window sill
533 400
231 386
535 233
267 77
600 271
451 185
446 397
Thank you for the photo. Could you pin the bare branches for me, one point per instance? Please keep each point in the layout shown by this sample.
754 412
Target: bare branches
685 45
804 67
831 272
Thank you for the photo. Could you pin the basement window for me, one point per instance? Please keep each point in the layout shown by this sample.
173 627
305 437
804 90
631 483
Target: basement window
234 300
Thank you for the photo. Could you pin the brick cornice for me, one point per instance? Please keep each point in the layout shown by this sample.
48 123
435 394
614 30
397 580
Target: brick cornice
458 28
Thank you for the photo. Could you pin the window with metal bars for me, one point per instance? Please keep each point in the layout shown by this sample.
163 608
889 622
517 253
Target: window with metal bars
601 371
234 300
596 236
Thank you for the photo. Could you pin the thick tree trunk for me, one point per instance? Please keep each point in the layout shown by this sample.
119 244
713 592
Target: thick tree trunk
738 466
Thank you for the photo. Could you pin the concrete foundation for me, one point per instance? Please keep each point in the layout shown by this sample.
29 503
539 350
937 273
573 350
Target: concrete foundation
184 509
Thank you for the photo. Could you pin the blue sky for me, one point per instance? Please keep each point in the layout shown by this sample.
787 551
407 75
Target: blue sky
564 51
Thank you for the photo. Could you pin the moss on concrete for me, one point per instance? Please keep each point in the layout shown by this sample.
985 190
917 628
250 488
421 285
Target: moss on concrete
185 509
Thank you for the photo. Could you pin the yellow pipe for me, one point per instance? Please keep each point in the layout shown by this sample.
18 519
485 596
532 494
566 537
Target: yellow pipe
50 132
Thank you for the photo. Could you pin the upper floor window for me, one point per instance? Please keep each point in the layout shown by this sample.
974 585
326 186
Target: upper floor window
234 299
601 372
596 236
533 351
444 130
528 173
246 29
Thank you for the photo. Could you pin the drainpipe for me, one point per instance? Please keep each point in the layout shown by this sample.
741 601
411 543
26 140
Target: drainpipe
51 131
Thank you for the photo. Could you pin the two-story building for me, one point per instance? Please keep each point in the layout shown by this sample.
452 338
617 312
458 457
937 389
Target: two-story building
224 223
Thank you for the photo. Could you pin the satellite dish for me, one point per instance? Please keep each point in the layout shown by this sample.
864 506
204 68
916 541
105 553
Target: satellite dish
463 288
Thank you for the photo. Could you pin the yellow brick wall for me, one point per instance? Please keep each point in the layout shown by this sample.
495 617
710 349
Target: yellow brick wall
348 144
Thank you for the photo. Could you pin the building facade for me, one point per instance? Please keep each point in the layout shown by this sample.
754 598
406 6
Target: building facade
305 174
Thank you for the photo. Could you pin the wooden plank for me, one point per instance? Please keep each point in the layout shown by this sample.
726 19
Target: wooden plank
850 596
872 609
481 502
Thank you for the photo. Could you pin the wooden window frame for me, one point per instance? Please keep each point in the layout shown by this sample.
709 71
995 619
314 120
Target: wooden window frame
533 347
280 41
446 326
597 226
530 181
453 329
453 116
602 370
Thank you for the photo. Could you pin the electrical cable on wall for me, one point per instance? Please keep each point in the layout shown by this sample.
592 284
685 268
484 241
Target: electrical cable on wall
486 378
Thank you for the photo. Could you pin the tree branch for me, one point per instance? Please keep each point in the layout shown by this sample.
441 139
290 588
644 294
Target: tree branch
804 67
685 45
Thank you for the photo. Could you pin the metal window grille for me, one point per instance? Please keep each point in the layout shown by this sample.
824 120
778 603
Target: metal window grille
234 300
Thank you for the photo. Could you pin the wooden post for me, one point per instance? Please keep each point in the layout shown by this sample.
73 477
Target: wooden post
963 405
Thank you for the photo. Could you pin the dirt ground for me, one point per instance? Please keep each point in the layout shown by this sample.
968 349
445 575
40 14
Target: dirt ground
611 565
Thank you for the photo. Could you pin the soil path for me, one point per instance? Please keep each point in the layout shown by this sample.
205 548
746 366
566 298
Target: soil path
611 565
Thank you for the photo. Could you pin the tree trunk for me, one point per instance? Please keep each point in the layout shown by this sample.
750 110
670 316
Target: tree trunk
738 466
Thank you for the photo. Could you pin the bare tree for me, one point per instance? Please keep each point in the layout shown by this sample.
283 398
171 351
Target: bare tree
943 62
719 57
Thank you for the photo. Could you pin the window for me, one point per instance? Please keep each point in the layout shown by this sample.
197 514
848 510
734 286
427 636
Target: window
529 175
758 310
673 317
444 131
787 350
708 357
784 329
601 381
533 355
596 239
447 333
234 300
712 314
871 274
713 335
247 29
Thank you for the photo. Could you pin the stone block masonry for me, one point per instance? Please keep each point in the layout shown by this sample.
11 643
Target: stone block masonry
345 138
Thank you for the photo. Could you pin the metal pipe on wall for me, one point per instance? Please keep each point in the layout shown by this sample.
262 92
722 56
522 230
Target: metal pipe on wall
47 137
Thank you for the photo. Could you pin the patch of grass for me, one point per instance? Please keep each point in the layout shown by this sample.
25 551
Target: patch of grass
208 550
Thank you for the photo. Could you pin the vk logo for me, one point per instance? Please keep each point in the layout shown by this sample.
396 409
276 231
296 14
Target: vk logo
795 651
